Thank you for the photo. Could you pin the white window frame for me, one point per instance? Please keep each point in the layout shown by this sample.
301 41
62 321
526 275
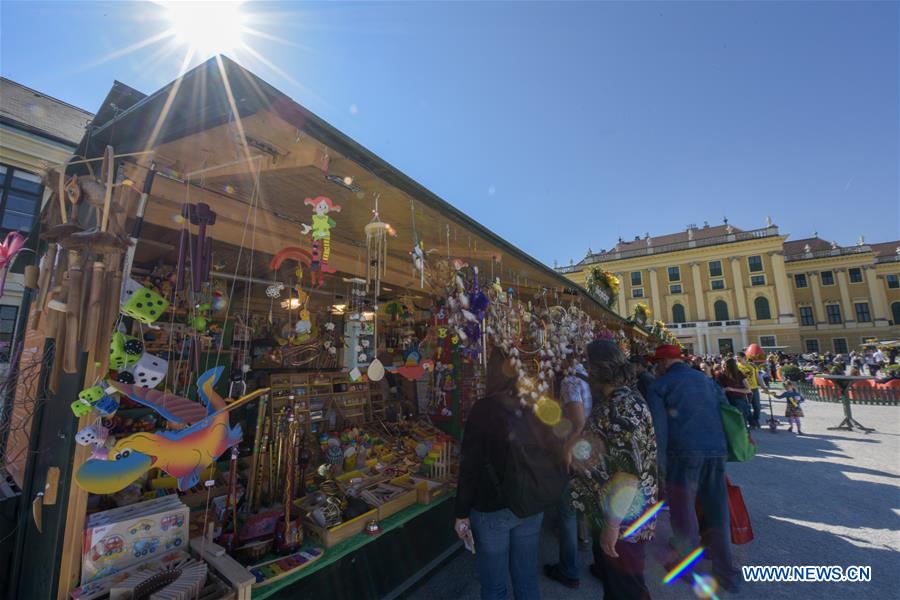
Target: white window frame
637 290
774 340
758 275
715 289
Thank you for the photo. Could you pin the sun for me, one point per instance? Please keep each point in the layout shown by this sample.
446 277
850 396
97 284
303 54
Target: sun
208 28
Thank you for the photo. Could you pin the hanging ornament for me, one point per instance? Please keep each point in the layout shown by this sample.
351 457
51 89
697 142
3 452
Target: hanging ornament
376 250
321 228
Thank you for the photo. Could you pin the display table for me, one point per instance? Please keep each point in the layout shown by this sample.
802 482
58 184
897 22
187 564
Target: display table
411 543
844 382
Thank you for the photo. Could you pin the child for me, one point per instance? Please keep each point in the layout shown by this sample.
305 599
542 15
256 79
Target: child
792 409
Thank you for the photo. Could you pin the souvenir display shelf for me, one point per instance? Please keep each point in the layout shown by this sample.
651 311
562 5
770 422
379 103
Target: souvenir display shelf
248 324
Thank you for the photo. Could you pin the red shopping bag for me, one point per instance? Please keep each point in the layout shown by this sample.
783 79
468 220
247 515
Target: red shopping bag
741 529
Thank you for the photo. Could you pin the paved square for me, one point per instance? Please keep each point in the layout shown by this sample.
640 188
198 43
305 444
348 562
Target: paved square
824 498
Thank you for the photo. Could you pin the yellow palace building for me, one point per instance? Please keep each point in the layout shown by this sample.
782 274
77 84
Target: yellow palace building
721 288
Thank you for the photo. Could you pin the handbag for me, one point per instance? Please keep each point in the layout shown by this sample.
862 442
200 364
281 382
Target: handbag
740 447
741 529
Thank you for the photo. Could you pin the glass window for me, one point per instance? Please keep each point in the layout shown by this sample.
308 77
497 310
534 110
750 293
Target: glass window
637 292
674 274
635 278
827 277
806 316
761 305
895 312
675 288
840 345
678 313
717 284
862 312
720 308
893 281
767 341
21 197
855 275
800 280
7 328
715 268
833 311
755 264
757 280
812 346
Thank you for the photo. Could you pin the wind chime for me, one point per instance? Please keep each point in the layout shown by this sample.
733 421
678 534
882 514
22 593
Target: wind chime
376 250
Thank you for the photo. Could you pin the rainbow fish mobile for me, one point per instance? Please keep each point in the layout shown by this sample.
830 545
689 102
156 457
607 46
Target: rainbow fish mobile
180 454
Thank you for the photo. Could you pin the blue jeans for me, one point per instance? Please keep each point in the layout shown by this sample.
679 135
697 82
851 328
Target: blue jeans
698 483
757 409
506 545
568 536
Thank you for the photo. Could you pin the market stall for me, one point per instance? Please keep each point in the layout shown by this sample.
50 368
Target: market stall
278 338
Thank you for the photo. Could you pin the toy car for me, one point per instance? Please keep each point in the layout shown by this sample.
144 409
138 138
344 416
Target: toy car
141 526
173 542
107 548
145 546
171 521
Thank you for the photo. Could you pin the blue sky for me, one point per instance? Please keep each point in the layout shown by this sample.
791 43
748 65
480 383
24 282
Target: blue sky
560 126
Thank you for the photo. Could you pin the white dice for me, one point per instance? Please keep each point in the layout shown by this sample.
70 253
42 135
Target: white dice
149 371
92 434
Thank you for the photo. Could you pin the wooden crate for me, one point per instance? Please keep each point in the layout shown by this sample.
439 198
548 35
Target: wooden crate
331 537
404 500
428 491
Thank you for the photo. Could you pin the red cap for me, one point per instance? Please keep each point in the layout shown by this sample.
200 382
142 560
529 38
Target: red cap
666 351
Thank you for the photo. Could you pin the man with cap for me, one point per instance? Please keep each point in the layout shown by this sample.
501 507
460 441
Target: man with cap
616 473
692 448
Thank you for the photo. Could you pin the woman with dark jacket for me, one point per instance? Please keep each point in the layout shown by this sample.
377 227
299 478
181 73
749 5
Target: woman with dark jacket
506 546
736 389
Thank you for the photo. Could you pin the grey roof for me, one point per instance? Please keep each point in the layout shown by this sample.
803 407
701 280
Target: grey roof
27 109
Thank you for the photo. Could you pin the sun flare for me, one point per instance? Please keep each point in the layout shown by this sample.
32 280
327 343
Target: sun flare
208 28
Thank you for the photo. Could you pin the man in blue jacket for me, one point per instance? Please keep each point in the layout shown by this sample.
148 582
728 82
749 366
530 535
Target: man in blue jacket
685 407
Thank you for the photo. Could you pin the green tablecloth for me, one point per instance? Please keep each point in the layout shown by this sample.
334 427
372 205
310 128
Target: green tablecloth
348 546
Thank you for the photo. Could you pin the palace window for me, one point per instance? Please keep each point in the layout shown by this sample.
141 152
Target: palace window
756 280
717 284
893 281
754 263
636 278
840 345
827 277
855 275
678 313
800 280
715 268
895 312
674 274
806 316
761 305
833 312
767 341
862 312
675 288
720 308
812 346
637 292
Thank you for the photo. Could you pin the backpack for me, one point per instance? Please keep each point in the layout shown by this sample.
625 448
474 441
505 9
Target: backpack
534 477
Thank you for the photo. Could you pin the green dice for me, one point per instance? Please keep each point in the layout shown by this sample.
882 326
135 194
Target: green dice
81 408
145 305
91 394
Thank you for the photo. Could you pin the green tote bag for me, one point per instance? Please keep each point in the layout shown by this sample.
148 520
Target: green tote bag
740 447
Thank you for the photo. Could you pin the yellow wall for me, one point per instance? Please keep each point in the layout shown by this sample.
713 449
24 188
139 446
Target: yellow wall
778 289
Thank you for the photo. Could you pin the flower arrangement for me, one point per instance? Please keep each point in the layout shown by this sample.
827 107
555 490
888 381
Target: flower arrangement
641 312
603 285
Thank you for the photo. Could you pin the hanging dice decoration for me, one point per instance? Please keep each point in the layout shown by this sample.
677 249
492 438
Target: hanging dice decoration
107 406
91 394
92 434
81 407
124 350
124 377
134 348
149 371
143 304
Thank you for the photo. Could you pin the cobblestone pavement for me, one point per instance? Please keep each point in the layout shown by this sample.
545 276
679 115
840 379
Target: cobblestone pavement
823 498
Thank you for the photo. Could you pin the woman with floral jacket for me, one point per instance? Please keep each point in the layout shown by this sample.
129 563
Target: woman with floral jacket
616 473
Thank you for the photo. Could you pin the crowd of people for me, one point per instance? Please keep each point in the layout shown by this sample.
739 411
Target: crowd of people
633 431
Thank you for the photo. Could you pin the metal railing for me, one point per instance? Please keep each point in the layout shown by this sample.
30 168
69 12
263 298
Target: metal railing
858 393
839 251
